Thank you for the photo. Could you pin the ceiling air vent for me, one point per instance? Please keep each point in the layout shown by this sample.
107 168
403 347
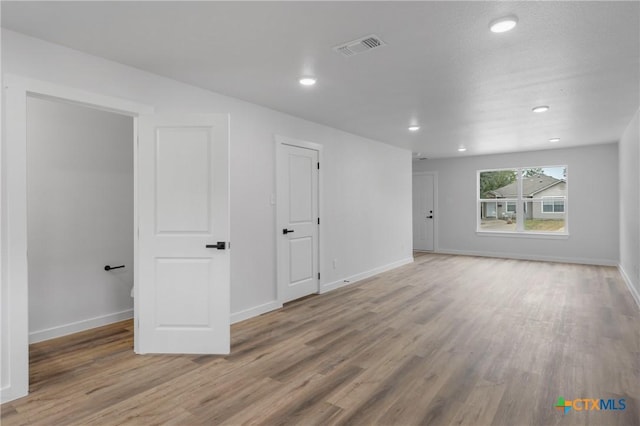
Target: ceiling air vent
360 45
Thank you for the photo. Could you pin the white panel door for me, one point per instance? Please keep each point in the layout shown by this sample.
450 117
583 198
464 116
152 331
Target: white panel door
183 191
423 214
297 230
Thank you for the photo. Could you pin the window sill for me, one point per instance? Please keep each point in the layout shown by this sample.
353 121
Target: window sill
541 235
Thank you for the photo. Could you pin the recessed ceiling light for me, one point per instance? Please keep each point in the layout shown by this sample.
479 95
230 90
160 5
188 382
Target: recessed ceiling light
307 81
553 140
462 149
502 25
540 108
414 128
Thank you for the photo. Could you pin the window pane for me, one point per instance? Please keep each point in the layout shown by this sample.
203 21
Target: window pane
541 182
544 190
495 217
498 184
544 216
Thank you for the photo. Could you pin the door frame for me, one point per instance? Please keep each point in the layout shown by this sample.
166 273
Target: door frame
13 216
436 216
280 141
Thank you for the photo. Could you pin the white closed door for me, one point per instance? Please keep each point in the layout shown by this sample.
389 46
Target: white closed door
297 231
182 301
423 212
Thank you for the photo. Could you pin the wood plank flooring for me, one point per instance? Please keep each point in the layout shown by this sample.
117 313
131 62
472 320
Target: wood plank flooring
445 340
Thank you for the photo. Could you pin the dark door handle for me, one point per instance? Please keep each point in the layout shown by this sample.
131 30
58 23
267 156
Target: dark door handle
430 217
221 245
109 267
286 231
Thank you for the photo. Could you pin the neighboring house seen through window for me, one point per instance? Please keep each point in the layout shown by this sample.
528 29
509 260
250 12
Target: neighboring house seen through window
523 200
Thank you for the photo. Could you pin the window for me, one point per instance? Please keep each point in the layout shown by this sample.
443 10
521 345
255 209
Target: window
531 200
553 205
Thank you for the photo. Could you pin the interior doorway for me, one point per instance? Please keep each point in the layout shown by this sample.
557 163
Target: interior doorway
17 91
80 217
424 211
163 147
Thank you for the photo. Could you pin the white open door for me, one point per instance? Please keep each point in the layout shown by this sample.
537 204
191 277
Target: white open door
183 290
297 200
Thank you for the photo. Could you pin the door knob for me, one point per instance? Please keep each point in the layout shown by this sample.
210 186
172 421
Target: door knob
221 245
430 217
286 231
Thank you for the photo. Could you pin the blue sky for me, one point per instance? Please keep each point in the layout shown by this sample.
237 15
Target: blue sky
556 172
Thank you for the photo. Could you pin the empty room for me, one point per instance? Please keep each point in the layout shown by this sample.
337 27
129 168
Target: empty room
320 213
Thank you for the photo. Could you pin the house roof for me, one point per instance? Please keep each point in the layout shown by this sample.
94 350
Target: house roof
530 186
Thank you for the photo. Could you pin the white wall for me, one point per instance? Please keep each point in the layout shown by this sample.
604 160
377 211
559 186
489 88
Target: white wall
80 217
369 214
629 165
593 205
367 184
4 283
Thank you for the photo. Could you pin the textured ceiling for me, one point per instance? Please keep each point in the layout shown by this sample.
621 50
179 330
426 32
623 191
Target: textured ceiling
442 68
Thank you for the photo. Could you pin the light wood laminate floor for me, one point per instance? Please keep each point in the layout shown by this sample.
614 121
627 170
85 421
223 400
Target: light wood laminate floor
445 340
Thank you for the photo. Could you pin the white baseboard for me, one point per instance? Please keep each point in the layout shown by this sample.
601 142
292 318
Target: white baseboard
556 259
74 327
255 311
324 288
272 306
627 280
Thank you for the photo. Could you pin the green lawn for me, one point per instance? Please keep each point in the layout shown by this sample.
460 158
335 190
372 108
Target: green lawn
543 224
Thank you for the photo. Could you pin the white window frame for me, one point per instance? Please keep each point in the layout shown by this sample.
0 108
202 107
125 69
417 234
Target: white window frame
521 211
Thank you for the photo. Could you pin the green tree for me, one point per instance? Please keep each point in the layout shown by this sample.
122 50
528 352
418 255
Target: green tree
533 172
494 180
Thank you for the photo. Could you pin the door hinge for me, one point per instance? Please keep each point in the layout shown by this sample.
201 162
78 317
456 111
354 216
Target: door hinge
318 275
318 221
318 165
